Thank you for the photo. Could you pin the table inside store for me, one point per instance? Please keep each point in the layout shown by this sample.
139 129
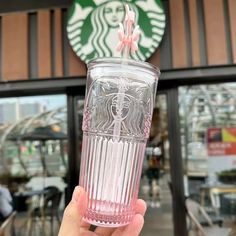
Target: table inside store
214 191
20 198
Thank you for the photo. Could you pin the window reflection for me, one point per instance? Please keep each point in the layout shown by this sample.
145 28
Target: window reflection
154 187
202 107
207 111
23 143
34 159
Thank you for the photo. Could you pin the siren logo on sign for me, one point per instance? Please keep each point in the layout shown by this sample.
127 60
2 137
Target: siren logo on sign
93 24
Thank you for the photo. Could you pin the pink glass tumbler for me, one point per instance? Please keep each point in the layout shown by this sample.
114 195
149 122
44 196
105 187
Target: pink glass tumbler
117 116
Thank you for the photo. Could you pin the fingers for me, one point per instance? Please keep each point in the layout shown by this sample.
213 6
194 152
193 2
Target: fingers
140 208
133 229
84 225
102 231
72 218
87 233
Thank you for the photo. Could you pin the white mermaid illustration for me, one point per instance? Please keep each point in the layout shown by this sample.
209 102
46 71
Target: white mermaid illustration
101 110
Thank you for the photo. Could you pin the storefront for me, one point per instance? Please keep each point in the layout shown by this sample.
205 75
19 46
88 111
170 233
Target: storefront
196 93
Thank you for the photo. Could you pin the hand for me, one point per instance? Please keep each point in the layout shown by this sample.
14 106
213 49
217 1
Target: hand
73 225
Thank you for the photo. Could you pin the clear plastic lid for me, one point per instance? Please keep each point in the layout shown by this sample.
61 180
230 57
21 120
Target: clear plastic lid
123 62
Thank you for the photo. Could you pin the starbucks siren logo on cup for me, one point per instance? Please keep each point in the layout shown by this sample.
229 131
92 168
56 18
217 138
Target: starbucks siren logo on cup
92 27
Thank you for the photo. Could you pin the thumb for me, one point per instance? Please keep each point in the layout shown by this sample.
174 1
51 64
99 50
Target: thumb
73 213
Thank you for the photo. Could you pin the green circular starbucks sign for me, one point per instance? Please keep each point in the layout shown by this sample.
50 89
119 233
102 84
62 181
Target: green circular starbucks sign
93 24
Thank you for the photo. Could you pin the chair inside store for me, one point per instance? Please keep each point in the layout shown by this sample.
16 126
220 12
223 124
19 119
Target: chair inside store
49 210
7 227
197 215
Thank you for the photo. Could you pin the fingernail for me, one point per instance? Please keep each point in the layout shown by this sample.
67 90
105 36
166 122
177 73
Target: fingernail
76 194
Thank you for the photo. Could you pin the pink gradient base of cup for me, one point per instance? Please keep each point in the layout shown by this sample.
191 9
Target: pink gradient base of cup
110 174
108 220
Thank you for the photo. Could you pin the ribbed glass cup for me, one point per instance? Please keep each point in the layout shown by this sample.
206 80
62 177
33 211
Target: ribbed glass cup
117 116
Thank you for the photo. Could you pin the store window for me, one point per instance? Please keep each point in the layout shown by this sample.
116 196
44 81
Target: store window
208 135
34 160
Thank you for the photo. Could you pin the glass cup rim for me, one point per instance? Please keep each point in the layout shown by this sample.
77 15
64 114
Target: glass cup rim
124 61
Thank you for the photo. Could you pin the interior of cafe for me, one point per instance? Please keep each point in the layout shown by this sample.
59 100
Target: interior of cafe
188 178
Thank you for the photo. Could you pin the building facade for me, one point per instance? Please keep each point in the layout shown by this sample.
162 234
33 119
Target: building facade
198 47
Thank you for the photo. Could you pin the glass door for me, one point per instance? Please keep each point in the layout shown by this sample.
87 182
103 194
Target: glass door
34 161
208 135
155 181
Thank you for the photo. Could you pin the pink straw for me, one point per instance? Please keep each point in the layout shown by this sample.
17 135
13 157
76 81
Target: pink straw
128 37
